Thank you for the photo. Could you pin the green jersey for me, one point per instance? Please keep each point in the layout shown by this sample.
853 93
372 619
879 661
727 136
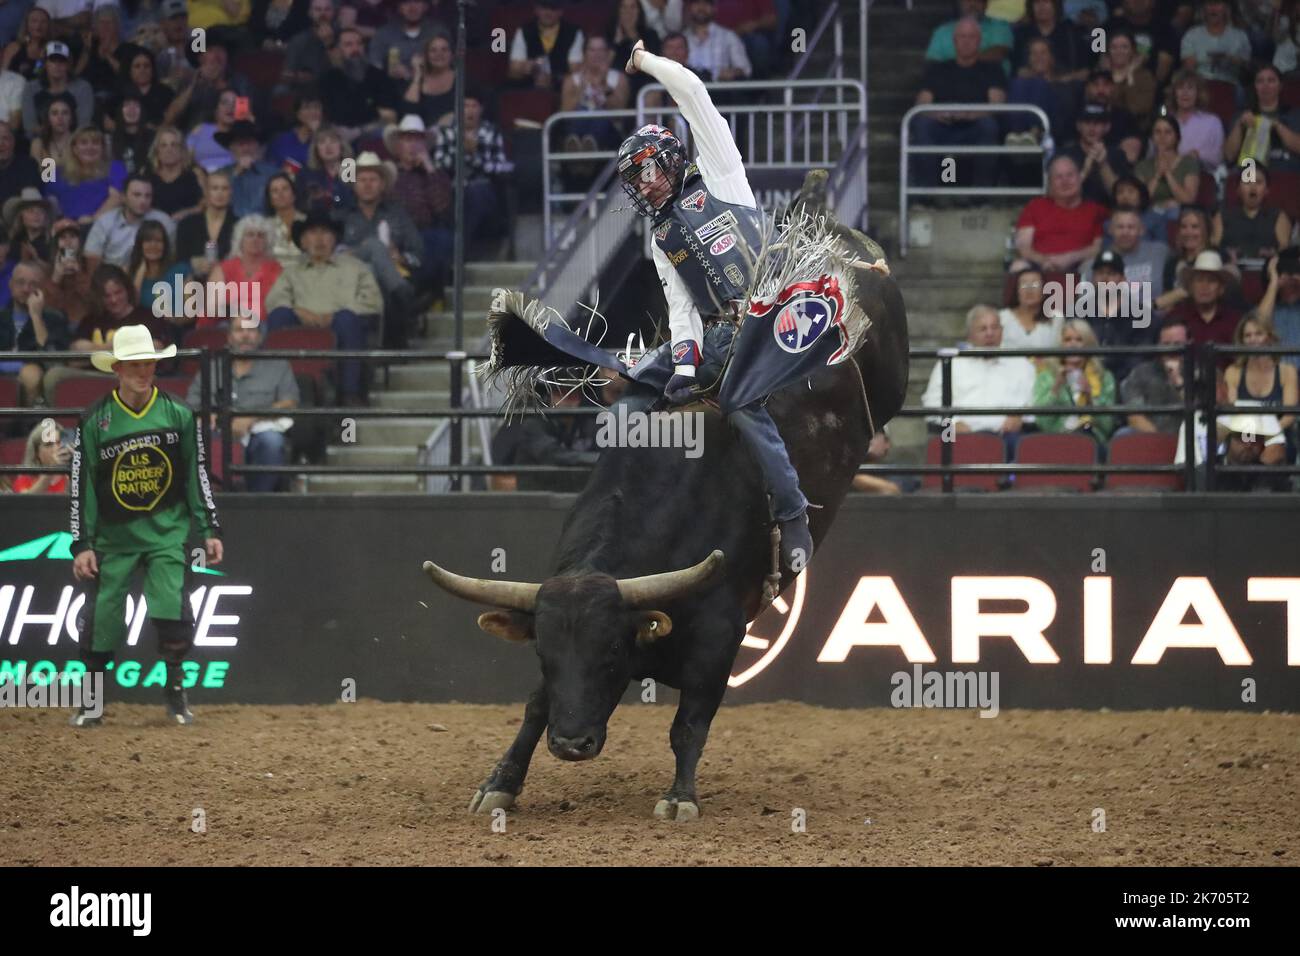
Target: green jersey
139 479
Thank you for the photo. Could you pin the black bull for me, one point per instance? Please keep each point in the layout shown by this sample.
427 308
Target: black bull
641 587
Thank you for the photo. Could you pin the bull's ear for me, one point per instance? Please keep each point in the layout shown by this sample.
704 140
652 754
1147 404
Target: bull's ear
652 625
513 626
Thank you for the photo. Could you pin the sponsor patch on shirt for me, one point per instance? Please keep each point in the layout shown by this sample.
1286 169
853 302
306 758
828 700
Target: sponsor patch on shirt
722 244
661 231
694 201
733 273
718 224
677 257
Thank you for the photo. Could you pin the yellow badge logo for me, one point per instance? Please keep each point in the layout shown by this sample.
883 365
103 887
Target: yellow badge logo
141 478
676 257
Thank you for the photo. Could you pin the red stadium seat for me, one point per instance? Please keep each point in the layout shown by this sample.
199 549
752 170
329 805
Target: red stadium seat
262 67
487 72
318 339
591 18
216 467
1291 93
1144 448
174 385
8 392
1040 448
971 448
1284 189
214 340
510 17
1252 286
82 391
534 105
1223 100
12 451
1207 193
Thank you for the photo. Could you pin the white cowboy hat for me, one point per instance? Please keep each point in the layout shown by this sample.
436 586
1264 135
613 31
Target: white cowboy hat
1208 261
1261 426
411 123
131 343
369 160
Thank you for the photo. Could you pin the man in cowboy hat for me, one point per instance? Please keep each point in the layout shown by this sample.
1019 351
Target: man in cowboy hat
1252 439
15 206
382 234
423 190
1209 318
325 290
139 487
248 174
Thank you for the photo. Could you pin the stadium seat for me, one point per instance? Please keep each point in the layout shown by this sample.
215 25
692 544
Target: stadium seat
1284 187
510 17
216 465
318 339
8 392
12 451
82 391
263 68
214 340
1291 93
1041 448
1252 286
971 448
1207 193
591 18
178 385
1223 100
487 72
1144 448
533 105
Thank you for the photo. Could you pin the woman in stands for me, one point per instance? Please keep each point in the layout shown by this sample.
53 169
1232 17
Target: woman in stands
1265 380
154 269
1076 380
1026 324
27 225
282 214
100 62
1202 131
113 305
130 136
54 139
208 153
203 239
626 27
51 446
594 85
1135 85
251 266
1251 230
432 90
91 183
177 185
1171 177
67 287
23 54
319 186
140 78
289 149
1265 131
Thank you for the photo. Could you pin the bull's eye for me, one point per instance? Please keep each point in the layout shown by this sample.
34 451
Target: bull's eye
654 625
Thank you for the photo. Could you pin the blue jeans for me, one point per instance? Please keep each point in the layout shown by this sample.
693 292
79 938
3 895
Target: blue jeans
266 448
927 131
350 330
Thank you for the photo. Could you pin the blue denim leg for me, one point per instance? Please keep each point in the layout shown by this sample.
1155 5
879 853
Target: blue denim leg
780 479
265 448
350 332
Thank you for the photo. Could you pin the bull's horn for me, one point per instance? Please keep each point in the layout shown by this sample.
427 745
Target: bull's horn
653 590
514 595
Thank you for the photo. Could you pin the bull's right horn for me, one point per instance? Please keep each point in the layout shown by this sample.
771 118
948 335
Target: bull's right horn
514 595
653 590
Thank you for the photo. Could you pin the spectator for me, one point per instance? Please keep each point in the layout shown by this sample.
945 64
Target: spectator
432 91
1157 381
1265 132
1192 238
629 24
176 187
424 191
70 17
1209 318
545 48
102 60
320 186
715 51
1118 317
1130 192
664 16
1086 14
12 86
113 305
307 53
1287 35
995 36
12 13
550 440
1157 43
27 219
1039 84
252 267
675 49
154 272
1172 178
112 237
209 154
17 172
25 54
140 79
1252 439
49 445
283 216
1135 86
755 22
359 98
1070 49
131 137
1062 230
594 85
330 291
1100 90
173 63
90 186
1202 131
67 289
962 80
289 150
248 174
255 383
1251 230
400 41
210 83
382 235
29 324
485 157
1280 305
976 382
1079 380
1262 379
54 139
1026 324
205 14
1144 259
1216 49
1099 165
203 238
365 16
52 81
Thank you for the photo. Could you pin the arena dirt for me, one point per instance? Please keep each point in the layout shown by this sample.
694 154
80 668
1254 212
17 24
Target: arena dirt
371 783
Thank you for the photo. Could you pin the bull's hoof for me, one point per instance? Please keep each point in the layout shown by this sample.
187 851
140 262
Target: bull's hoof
683 811
487 801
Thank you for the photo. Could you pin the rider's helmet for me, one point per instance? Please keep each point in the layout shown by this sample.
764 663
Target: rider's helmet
647 148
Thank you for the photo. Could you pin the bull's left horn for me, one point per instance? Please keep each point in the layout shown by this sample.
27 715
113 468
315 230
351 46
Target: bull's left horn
653 590
513 595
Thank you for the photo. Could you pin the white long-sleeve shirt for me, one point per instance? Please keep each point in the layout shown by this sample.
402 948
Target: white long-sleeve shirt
980 382
721 167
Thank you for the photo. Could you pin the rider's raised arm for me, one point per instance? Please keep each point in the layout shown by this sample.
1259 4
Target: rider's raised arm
684 320
719 159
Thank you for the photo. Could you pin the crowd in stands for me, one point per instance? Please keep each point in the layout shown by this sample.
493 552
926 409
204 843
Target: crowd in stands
1172 175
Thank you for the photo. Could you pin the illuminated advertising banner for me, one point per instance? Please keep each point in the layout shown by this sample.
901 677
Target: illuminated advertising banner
1125 602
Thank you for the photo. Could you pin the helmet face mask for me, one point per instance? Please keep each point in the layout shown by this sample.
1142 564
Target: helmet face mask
651 165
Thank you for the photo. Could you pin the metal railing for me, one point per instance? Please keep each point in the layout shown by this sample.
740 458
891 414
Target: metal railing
906 150
552 198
